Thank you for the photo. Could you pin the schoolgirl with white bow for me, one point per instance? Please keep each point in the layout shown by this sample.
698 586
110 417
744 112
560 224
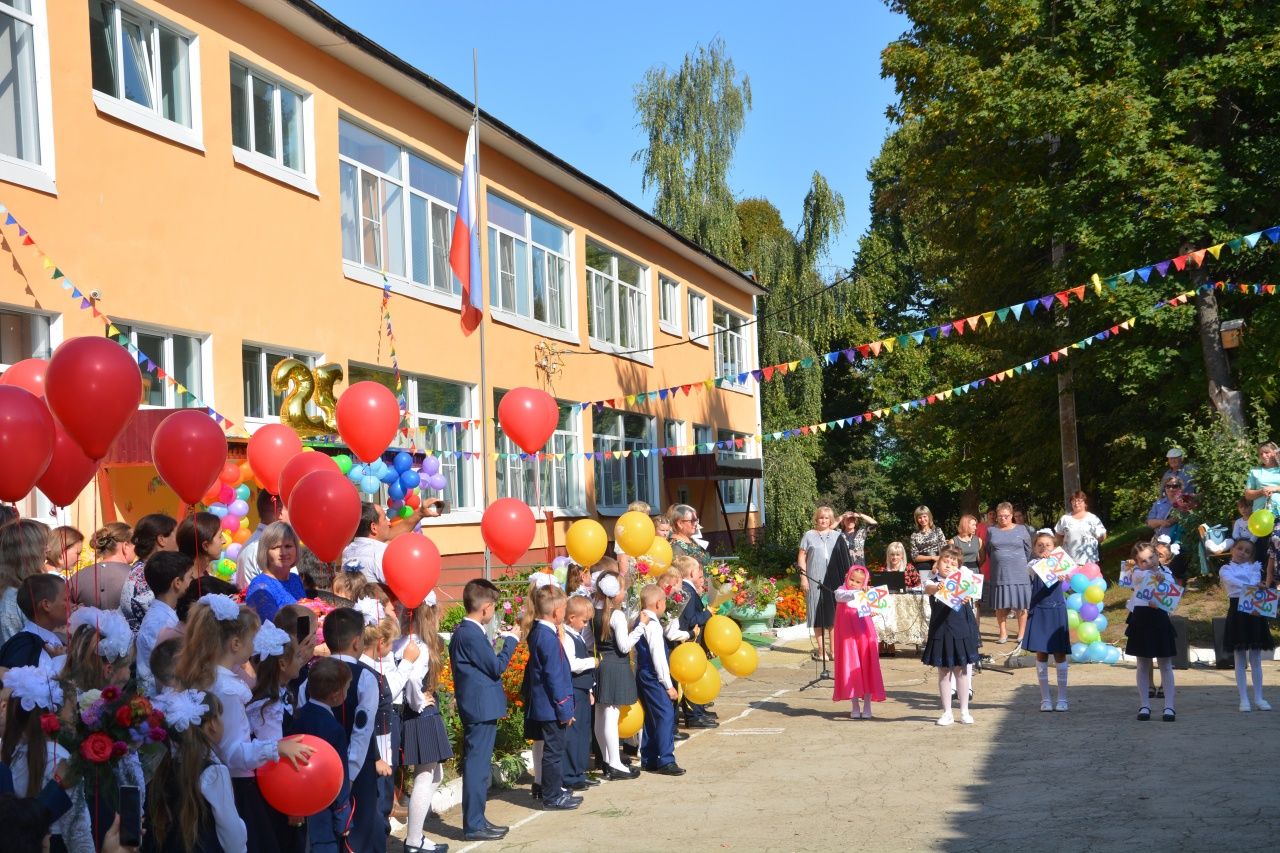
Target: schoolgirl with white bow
219 641
424 740
1248 635
1150 635
381 630
275 663
190 803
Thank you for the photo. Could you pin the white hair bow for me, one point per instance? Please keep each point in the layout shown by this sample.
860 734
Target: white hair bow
371 609
34 687
608 586
269 642
224 607
114 636
181 708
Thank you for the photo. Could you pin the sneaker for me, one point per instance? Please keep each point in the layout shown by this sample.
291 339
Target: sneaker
966 719
1245 707
1061 706
1262 704
945 719
1046 705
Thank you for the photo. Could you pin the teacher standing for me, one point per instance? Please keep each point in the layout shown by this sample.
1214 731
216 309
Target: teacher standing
1080 532
1264 481
812 561
926 543
1009 545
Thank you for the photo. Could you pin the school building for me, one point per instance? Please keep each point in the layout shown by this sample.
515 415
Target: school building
221 185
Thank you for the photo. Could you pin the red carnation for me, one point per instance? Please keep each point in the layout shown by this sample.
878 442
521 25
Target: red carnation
155 719
118 749
157 734
124 716
110 693
96 748
50 724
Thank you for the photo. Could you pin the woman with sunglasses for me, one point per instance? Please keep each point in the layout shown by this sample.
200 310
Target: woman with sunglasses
684 526
1165 516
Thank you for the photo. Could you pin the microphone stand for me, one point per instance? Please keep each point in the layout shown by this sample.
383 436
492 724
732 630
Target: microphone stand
825 674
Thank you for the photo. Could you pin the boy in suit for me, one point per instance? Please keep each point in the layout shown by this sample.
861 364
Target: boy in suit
693 618
653 681
582 664
328 684
550 693
477 680
42 599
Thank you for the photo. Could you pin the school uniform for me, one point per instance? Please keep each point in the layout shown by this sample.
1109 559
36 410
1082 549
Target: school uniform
242 756
694 615
582 666
1148 629
477 680
953 634
221 831
424 739
29 647
653 680
357 714
1245 631
384 736
160 616
550 702
325 829
267 722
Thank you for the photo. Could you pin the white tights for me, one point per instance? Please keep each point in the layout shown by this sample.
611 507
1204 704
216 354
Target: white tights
426 778
1166 679
607 735
962 679
866 703
1249 659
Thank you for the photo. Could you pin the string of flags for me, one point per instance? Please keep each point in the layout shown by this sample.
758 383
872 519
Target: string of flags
86 304
395 361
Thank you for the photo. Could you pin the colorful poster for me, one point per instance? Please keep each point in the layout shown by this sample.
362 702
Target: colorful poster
1259 601
1126 574
867 602
1056 567
1158 589
959 587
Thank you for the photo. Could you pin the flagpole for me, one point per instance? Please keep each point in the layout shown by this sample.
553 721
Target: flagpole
485 430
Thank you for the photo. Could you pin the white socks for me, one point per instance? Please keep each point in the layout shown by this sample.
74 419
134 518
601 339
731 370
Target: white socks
1255 663
607 736
1166 680
1247 659
944 688
426 779
1062 681
1042 676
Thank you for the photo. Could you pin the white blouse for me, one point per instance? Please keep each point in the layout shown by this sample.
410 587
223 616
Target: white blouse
624 640
415 673
237 748
1235 577
215 785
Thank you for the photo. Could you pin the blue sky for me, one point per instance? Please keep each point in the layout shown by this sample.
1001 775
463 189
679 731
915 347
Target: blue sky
563 74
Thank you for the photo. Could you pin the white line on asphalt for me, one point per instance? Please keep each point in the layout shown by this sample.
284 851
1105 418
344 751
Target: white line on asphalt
736 732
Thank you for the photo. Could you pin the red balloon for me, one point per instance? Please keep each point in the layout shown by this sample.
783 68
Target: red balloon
26 441
269 449
69 470
189 450
411 565
368 417
28 373
325 511
93 387
307 790
528 417
300 466
507 527
230 474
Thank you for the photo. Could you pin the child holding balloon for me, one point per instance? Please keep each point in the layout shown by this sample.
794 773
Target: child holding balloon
1150 634
952 644
1046 632
1248 635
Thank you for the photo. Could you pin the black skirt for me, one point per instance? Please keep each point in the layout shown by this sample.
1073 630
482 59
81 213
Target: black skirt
253 811
1246 631
617 681
953 637
424 737
1150 634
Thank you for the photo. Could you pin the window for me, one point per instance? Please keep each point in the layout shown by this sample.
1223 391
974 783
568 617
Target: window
669 305
702 436
561 478
397 212
529 265
22 335
260 399
731 343
697 317
617 299
26 127
434 408
629 475
734 492
179 356
270 126
144 70
673 433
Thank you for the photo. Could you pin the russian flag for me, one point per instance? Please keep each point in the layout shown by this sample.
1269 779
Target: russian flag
464 248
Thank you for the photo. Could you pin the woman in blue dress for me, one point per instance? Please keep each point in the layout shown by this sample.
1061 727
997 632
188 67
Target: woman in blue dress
1009 546
1046 632
276 586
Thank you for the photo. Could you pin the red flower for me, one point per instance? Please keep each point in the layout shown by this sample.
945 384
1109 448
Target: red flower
110 693
155 719
118 749
157 734
124 716
49 724
97 748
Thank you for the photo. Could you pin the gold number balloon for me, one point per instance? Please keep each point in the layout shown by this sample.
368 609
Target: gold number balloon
300 386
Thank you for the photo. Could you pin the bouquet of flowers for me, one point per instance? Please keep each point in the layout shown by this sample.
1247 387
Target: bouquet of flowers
723 582
756 594
643 569
108 725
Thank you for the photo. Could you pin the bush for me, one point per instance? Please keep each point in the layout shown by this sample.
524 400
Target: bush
452 617
1222 456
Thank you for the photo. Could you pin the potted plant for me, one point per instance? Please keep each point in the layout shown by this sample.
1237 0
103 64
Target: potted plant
754 605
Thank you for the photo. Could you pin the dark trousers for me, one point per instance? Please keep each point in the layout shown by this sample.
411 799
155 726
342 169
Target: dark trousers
577 748
553 744
658 748
691 710
368 827
477 771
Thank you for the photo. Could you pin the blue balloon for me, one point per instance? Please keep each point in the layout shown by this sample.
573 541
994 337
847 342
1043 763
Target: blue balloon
356 474
242 491
1097 651
391 475
403 461
410 480
1100 622
369 485
1079 652
1113 654
1075 601
1100 583
1079 583
395 491
377 468
220 510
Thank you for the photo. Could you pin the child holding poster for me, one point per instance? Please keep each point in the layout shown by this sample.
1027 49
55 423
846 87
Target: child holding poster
1046 632
952 645
1247 634
1150 632
856 647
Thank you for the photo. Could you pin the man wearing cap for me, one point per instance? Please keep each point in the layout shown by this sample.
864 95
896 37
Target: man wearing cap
1179 470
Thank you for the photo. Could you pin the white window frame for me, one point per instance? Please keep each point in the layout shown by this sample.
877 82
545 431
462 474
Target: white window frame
511 316
680 430
203 395
273 167
734 492
702 434
697 303
649 442
309 359
669 305
371 273
726 337
516 470
42 175
150 120
598 280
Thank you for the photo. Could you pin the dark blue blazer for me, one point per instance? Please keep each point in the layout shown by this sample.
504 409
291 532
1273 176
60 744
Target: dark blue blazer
695 613
550 683
317 720
477 673
52 797
22 649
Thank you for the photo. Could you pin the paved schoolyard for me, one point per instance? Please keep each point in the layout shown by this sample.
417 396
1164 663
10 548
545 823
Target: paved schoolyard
788 771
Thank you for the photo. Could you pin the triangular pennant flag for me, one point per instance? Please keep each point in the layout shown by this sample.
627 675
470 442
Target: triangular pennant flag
792 365
1002 314
1235 245
831 357
888 344
875 347
959 326
850 354
767 372
1197 258
1216 250
1144 273
742 379
1272 234
1063 297
806 363
973 321
932 332
9 220
1079 292
1128 276
904 341
1180 263
945 330
1017 310
989 316
1046 302
1163 268
1018 370
47 263
864 350
918 337
1031 305
27 241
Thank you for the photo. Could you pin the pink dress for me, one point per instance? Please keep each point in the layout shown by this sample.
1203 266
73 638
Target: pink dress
857 654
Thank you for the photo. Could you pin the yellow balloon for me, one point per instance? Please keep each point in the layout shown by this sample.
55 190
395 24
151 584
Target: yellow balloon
688 662
630 720
1093 594
586 542
705 689
743 662
659 553
722 635
634 533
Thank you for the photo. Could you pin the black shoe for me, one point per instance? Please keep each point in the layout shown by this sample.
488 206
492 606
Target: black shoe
672 769
617 775
681 735
485 834
495 827
1144 713
701 723
628 749
564 802
535 791
434 848
1169 716
578 786
712 714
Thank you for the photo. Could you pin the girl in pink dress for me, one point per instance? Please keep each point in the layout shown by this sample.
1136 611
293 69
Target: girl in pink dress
856 647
